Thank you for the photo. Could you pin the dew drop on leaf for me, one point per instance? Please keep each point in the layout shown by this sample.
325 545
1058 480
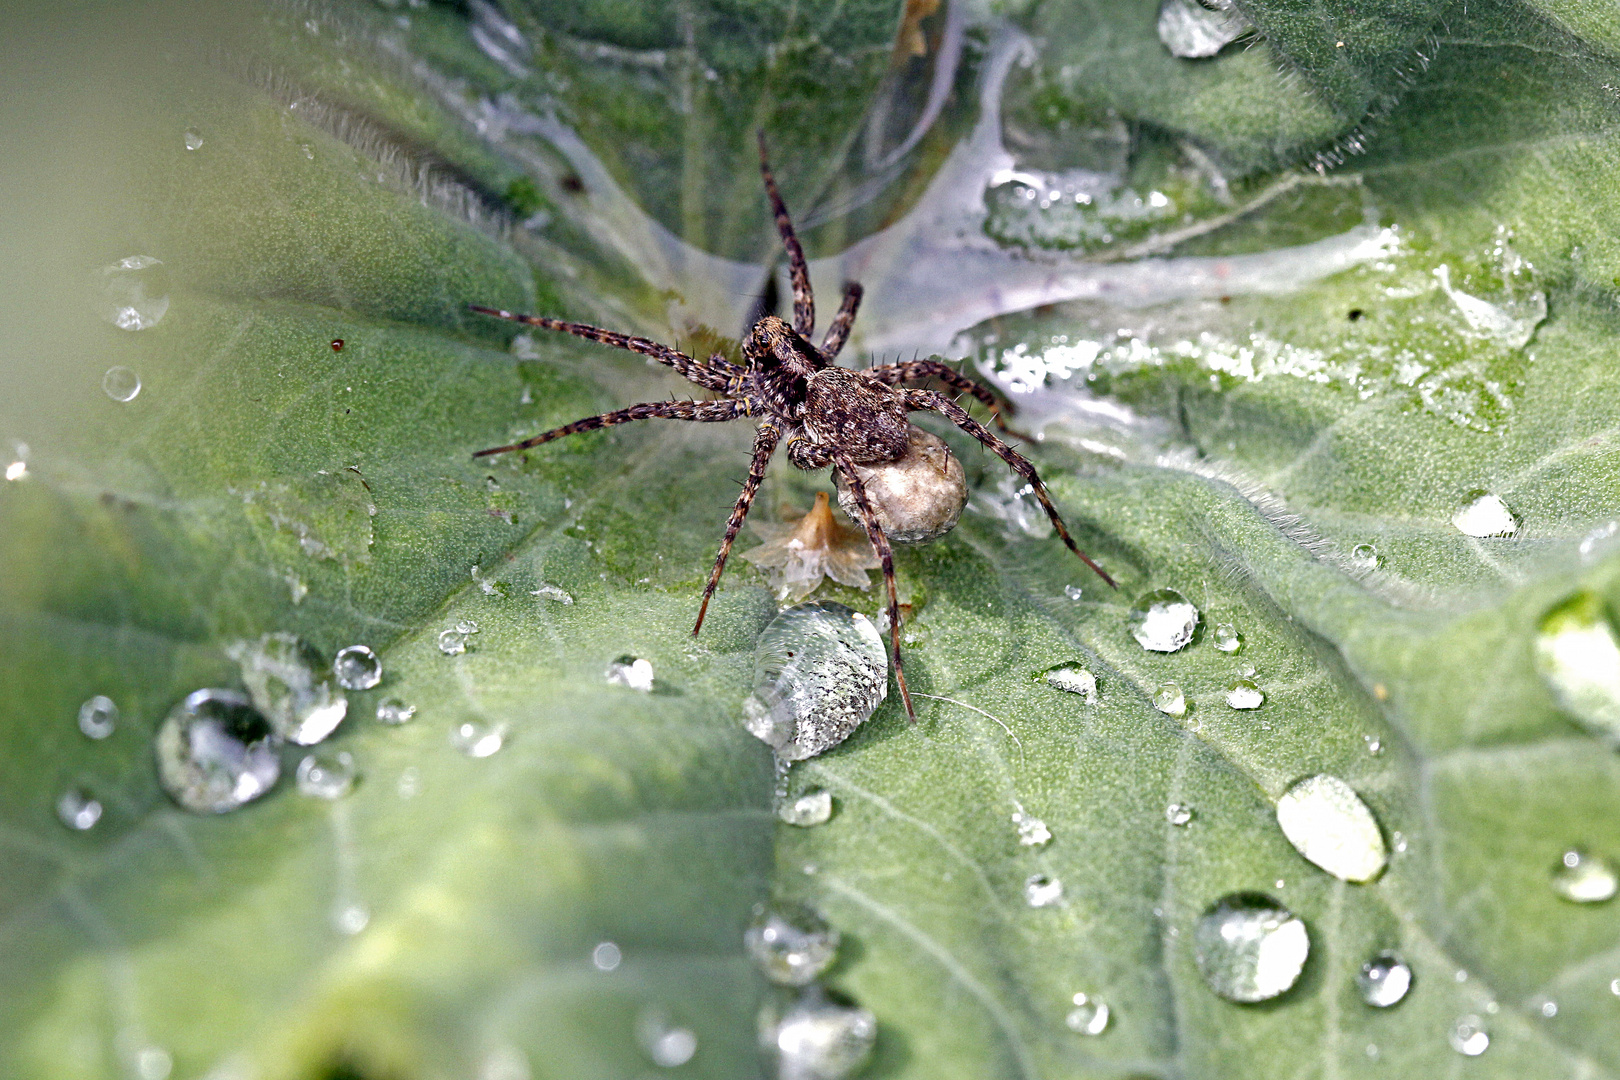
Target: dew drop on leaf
135 292
1249 947
1485 515
1163 621
279 672
121 384
392 710
808 808
98 716
668 1045
1384 980
1032 831
78 809
1365 557
1468 1036
215 752
1178 814
326 776
1042 890
1578 655
1169 700
1327 822
1192 30
820 1035
1089 1016
790 943
477 739
819 671
633 672
1584 878
1073 679
452 642
606 956
193 139
1244 694
357 668
1227 639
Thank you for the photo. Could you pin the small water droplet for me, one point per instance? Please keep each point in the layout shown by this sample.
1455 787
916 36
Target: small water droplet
488 586
820 670
1072 591
1041 890
1365 557
326 776
1578 654
1397 840
391 710
1384 980
667 1044
552 593
477 739
633 672
194 139
153 1063
1249 947
452 642
17 470
466 626
1073 679
1088 1017
357 668
1244 694
1032 831
135 292
1178 814
296 588
98 717
350 919
120 383
1614 987
1468 1036
78 809
1584 878
1169 700
1375 746
1194 30
1227 639
791 943
279 671
606 956
1163 621
821 1035
215 752
1485 515
1549 1009
809 808
1327 822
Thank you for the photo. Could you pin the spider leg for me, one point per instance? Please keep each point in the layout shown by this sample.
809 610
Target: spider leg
691 369
764 447
702 411
885 554
804 302
838 332
931 401
911 370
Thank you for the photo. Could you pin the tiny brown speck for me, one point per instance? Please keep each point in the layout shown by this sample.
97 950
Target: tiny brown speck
337 344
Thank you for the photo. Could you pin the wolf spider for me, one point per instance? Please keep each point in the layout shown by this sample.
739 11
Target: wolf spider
826 415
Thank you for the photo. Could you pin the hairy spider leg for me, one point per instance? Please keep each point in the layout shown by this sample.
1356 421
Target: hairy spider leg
804 301
933 401
838 332
914 370
693 370
706 412
885 554
764 447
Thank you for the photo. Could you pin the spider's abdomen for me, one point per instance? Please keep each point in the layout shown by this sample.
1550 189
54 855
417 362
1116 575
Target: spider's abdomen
864 418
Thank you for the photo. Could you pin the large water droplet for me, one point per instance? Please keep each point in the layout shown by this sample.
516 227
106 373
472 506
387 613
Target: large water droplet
809 808
391 710
1384 980
215 751
1327 822
98 717
819 671
820 1035
1578 654
1365 557
1227 639
1485 515
279 671
791 943
1584 878
120 383
1193 30
668 1044
1468 1036
78 809
1244 694
1088 1017
1169 700
357 668
326 776
1249 947
135 292
1073 679
633 672
478 739
1041 890
1032 831
1163 621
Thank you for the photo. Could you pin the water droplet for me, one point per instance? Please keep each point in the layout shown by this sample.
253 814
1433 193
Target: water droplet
667 1044
1249 947
194 139
1384 980
1072 591
78 809
1485 515
1468 1037
1614 987
1578 654
466 626
153 1063
1178 814
120 383
820 1035
633 672
357 668
552 593
1227 639
1163 621
1073 679
17 470
488 586
1584 878
391 710
135 292
1192 30
1375 746
296 588
1042 891
1549 1009
1032 831
1365 557
505 1063
452 642
98 717
1169 700
1398 842
1244 694
1088 1017
809 808
1327 822
215 752
279 671
791 943
606 956
819 671
410 782
350 919
477 739
326 776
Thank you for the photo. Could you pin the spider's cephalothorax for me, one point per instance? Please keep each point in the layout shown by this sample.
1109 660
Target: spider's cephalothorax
826 415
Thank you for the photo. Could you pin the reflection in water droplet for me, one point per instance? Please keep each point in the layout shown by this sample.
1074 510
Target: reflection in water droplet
819 671
279 671
1088 1017
1178 814
809 808
215 751
667 1044
1249 947
606 956
1244 694
1227 639
1327 822
633 672
821 1035
357 668
78 809
391 710
326 776
135 292
477 739
1032 831
1163 621
120 383
194 139
791 943
1073 679
1169 700
1584 878
1384 980
1468 1036
1042 891
1191 30
1485 515
452 642
98 717
1578 654
1365 557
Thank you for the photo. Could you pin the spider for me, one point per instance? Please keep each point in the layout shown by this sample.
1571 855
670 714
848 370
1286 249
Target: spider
825 415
